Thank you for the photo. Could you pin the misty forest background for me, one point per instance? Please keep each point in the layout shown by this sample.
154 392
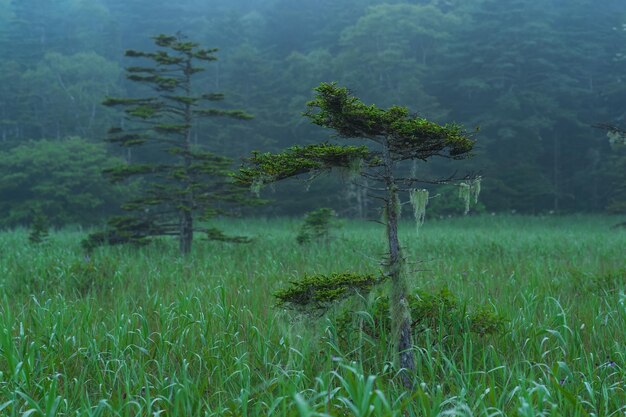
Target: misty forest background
535 76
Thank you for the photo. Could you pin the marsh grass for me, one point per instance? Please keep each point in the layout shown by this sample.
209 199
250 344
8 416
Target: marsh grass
142 332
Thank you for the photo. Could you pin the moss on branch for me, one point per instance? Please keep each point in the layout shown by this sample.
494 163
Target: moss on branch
122 172
296 160
317 293
410 137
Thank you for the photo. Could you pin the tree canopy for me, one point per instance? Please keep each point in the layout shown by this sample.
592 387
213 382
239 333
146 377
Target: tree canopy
534 75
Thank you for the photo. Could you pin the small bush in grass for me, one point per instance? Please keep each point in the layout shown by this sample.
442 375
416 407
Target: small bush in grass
88 275
79 277
317 226
315 295
610 281
38 229
439 310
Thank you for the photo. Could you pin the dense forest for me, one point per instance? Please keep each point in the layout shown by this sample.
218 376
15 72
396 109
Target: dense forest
531 77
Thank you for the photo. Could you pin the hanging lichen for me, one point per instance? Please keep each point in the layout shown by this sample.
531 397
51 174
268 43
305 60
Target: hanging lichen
465 195
259 182
616 137
256 185
475 189
469 192
419 200
355 168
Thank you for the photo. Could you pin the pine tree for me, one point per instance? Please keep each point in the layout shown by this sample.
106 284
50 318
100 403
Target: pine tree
38 228
395 136
180 180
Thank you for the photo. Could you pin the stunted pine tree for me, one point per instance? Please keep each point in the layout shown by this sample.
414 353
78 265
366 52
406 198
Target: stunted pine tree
180 180
393 136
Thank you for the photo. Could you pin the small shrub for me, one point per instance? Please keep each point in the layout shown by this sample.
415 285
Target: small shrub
87 275
78 277
219 236
608 282
38 229
439 311
486 321
317 226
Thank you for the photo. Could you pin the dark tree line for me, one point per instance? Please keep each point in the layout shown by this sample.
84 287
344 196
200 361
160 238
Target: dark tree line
534 75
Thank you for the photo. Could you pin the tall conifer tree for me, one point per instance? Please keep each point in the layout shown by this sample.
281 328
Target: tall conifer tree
180 180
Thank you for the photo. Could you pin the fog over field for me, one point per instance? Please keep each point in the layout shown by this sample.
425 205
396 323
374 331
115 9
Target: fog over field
533 76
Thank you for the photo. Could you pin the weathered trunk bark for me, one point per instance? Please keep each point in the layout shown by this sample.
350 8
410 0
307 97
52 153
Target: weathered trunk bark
399 306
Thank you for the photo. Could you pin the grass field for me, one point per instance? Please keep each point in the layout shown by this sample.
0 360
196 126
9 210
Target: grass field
142 332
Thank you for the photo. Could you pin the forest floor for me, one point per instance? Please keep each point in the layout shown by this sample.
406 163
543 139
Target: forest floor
143 332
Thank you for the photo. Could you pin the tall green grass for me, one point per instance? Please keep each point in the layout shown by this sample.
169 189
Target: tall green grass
142 332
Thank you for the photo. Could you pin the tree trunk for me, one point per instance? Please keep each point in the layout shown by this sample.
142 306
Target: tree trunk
186 216
186 232
556 160
398 304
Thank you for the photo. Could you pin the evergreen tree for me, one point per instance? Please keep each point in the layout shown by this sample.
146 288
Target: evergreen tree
395 136
38 228
181 180
317 226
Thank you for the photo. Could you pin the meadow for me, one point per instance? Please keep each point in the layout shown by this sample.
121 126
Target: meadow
144 332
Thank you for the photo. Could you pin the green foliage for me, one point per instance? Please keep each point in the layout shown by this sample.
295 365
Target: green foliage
615 168
318 293
153 317
334 107
62 177
181 180
396 137
218 235
38 229
60 95
600 284
87 276
410 137
448 60
445 201
317 226
267 167
438 311
124 230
